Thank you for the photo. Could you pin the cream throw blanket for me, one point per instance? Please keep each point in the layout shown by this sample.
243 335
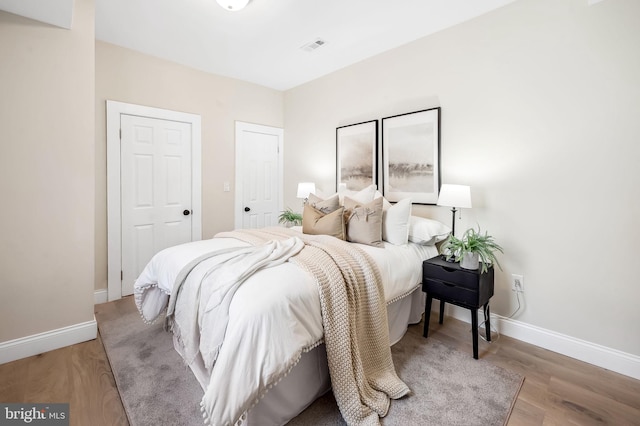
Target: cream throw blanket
205 305
355 323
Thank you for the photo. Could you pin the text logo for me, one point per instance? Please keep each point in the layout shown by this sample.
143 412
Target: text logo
34 414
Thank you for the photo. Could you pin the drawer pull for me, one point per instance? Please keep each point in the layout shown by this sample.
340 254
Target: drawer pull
449 269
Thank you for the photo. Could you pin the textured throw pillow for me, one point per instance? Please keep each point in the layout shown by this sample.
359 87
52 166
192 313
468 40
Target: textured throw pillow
327 205
363 222
427 232
315 222
362 196
395 222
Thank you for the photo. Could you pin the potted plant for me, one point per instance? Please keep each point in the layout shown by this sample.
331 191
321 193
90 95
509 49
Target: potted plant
289 218
472 249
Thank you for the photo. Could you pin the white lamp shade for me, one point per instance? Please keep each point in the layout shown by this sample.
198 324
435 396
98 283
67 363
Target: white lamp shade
233 5
306 188
455 196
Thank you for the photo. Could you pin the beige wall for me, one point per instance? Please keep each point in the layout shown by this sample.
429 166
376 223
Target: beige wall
46 173
128 76
540 104
539 101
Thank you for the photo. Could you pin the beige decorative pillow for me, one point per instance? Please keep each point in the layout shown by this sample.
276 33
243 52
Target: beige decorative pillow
327 205
385 204
315 222
364 222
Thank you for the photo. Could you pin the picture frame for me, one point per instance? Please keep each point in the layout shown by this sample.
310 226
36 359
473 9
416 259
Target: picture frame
357 155
411 156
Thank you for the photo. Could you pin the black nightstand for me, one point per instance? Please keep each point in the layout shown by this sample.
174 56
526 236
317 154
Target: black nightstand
448 282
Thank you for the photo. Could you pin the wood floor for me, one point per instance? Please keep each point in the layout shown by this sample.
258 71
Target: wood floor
557 390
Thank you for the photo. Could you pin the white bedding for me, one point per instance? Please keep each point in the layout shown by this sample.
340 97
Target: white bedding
273 318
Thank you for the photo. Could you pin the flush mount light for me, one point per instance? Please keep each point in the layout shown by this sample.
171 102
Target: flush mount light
233 5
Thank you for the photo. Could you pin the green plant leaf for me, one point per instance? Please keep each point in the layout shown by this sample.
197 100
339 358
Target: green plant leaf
473 241
289 216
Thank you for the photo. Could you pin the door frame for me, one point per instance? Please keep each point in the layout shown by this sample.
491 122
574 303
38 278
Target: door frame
114 225
258 128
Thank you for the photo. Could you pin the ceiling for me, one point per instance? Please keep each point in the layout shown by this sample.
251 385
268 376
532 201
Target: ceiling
54 12
262 43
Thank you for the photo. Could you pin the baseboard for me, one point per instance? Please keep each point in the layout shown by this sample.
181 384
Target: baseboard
100 296
49 340
592 353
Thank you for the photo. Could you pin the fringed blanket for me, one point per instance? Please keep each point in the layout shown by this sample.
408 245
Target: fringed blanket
204 303
355 324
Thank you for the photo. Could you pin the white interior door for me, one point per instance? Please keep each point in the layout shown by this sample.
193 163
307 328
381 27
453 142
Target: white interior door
155 190
259 176
117 249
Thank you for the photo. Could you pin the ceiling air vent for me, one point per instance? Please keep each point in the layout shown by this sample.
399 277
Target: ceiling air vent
310 47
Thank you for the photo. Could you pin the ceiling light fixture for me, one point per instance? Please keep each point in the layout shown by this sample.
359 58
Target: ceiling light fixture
233 5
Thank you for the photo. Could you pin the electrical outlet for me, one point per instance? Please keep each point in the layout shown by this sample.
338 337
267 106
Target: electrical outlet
517 283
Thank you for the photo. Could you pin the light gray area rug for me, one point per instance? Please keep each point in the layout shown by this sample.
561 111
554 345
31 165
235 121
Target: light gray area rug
448 387
155 386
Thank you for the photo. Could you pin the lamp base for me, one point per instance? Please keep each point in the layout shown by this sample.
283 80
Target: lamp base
453 221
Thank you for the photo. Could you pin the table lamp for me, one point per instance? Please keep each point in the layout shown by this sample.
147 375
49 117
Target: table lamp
455 196
306 188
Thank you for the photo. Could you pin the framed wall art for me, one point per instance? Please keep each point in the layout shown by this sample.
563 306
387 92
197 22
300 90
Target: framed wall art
411 156
357 155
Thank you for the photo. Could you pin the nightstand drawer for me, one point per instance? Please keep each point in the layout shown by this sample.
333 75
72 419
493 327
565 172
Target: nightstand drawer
451 274
451 292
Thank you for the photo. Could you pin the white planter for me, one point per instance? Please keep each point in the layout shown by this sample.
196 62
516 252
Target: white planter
469 261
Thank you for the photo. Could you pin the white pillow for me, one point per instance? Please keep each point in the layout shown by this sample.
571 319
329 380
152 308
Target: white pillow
395 222
364 196
427 232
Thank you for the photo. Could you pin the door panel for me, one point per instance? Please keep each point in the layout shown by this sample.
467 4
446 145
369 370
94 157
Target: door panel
259 175
155 190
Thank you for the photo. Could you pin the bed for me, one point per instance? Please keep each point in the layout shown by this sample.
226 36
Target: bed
257 344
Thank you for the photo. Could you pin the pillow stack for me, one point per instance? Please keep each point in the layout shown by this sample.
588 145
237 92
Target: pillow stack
366 217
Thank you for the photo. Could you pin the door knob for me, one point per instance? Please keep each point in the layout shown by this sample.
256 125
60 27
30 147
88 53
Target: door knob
186 212
246 209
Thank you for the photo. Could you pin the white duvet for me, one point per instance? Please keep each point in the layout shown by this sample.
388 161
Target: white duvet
273 317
